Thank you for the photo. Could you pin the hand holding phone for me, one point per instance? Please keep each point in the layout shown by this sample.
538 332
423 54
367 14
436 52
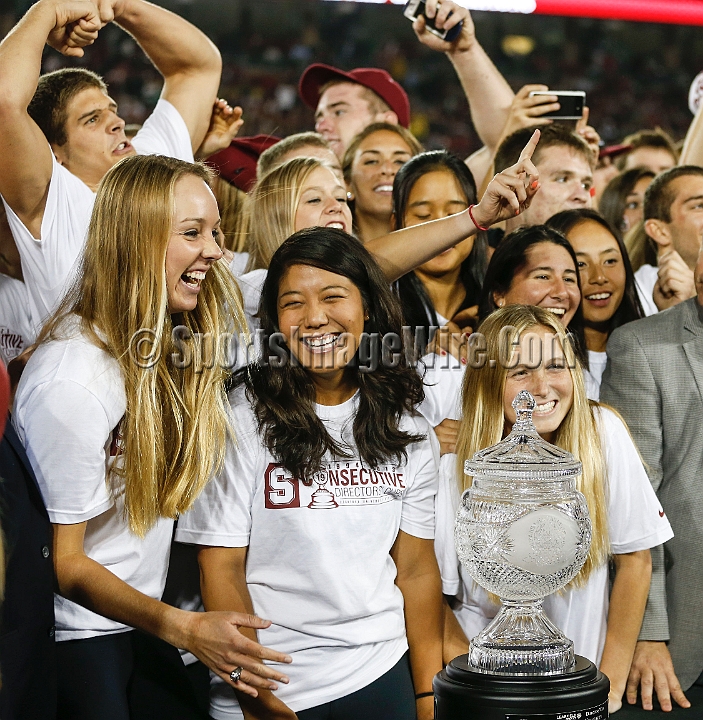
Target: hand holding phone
571 103
415 8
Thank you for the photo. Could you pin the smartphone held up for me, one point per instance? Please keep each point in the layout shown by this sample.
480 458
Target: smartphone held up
415 8
571 101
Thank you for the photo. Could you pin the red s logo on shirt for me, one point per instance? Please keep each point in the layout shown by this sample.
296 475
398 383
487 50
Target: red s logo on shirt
280 488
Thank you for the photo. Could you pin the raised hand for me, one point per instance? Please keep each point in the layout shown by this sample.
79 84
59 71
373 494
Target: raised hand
440 12
76 26
528 111
511 191
225 123
675 281
589 134
109 10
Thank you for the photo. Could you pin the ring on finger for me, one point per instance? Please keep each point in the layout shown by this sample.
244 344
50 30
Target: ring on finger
236 674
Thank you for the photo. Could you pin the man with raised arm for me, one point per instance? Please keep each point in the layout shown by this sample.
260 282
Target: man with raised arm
61 132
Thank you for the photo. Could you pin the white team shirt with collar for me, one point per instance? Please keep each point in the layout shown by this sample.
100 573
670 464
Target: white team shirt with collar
636 521
48 262
67 410
324 577
16 329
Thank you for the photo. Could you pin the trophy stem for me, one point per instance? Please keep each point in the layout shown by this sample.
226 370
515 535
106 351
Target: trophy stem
522 640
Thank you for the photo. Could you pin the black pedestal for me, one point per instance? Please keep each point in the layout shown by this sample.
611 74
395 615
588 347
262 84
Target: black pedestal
462 693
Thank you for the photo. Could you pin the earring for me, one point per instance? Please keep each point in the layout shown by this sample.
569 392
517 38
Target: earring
501 302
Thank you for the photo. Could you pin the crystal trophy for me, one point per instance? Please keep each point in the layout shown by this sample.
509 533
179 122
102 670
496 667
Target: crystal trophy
522 532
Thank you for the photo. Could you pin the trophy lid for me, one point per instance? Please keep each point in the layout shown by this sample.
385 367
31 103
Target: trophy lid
523 454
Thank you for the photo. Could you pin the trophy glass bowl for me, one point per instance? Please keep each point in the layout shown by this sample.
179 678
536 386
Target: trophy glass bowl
522 532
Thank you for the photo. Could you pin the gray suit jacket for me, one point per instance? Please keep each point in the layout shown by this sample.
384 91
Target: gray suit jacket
654 377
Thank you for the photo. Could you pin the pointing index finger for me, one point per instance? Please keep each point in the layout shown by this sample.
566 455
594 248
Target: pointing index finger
530 148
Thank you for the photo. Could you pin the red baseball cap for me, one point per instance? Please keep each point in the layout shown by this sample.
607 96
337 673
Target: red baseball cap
237 163
317 75
612 151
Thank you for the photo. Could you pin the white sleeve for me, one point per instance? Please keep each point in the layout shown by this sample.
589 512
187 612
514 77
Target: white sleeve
67 435
251 284
445 509
418 513
636 520
48 262
164 133
442 376
221 516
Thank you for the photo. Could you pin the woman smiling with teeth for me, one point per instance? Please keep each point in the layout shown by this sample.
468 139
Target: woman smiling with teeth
527 349
370 165
536 266
123 439
336 470
610 296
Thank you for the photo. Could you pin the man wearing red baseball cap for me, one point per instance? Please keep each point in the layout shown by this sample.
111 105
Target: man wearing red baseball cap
347 102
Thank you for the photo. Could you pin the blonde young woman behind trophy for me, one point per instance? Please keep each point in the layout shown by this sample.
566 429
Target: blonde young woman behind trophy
527 349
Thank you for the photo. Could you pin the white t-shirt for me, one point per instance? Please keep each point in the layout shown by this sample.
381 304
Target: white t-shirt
635 522
323 576
596 365
645 280
251 284
239 263
441 320
48 262
16 331
442 376
68 406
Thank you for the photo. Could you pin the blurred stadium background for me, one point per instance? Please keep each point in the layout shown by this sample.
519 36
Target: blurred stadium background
636 75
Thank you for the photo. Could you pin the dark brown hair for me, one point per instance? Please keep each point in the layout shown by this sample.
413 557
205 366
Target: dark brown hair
659 195
630 307
283 397
54 92
613 201
509 150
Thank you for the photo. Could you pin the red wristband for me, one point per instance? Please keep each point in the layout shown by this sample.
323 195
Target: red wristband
473 219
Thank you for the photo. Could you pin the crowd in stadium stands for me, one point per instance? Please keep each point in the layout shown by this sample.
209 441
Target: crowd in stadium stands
635 75
221 495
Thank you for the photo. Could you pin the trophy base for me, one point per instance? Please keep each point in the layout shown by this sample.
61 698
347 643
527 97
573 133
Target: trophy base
464 693
521 640
322 500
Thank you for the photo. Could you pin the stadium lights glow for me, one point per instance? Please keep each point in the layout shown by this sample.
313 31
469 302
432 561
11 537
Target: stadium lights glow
681 12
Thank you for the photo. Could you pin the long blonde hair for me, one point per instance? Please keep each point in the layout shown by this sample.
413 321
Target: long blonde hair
234 217
176 422
483 420
273 204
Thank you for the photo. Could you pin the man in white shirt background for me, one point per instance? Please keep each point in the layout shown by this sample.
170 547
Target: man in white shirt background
66 121
673 219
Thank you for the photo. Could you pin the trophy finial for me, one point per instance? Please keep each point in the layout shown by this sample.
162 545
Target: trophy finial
524 405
